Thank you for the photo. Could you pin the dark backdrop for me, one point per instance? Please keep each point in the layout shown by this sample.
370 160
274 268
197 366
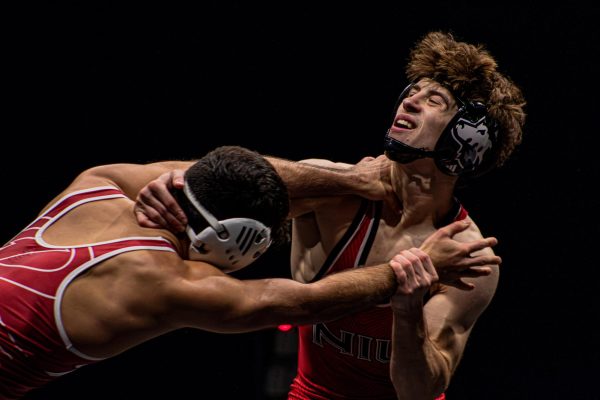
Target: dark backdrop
108 83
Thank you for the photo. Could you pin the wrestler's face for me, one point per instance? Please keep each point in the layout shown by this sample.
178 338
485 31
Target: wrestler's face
423 114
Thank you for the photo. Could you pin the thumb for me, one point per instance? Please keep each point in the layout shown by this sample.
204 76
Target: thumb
178 178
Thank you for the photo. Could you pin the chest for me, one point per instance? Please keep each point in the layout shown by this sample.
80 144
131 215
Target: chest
343 237
390 239
379 234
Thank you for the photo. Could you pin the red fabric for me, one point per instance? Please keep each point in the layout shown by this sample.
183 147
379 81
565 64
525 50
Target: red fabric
348 358
32 351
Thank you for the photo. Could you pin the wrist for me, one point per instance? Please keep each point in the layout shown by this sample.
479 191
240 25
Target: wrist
408 306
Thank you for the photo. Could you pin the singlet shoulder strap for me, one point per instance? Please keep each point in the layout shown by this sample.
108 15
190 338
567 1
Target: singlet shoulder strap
364 252
78 197
368 212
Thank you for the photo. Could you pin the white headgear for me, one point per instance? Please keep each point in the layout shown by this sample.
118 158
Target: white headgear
231 244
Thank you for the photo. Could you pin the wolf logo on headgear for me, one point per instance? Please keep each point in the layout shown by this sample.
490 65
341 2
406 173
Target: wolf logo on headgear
466 147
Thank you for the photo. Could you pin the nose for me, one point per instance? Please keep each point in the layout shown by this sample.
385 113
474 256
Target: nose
411 103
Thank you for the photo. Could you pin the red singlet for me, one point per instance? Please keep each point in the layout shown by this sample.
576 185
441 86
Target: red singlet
34 347
349 358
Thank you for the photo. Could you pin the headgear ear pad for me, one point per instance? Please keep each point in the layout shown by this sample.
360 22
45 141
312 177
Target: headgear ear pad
466 147
230 244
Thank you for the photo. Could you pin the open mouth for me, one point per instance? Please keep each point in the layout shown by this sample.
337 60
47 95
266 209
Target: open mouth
403 123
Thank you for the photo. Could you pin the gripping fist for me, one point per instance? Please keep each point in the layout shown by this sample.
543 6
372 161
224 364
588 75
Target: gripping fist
414 272
454 260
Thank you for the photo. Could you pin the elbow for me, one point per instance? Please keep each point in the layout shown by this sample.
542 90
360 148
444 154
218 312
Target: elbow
442 376
441 383
424 381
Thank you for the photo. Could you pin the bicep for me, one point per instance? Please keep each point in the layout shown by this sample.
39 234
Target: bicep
451 315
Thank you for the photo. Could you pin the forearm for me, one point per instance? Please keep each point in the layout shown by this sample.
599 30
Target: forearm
417 369
341 293
311 180
285 301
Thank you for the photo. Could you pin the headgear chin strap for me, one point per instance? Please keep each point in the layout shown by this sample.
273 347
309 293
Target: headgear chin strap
231 244
466 147
403 153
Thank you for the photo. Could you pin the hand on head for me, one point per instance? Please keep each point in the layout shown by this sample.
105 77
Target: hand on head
155 206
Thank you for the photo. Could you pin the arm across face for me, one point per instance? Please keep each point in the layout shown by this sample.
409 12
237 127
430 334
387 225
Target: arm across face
370 178
453 259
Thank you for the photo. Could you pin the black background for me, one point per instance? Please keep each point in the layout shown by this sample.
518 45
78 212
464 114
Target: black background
104 83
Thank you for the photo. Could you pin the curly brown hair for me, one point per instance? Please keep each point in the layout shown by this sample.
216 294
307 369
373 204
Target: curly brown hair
470 72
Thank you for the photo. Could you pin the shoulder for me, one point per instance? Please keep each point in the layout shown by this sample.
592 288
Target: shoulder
144 266
471 233
103 174
158 277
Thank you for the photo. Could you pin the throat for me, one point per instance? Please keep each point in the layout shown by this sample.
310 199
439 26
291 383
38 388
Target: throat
426 212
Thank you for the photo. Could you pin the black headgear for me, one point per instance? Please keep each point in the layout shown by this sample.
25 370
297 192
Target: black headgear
466 147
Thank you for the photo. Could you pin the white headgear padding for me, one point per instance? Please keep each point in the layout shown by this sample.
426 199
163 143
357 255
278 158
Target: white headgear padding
231 244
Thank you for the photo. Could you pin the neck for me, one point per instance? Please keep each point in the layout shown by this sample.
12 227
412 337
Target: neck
425 192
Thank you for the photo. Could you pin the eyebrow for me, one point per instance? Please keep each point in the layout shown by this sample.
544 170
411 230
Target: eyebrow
441 94
431 91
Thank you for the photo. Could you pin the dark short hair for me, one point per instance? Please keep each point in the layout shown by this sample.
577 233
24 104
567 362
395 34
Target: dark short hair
234 182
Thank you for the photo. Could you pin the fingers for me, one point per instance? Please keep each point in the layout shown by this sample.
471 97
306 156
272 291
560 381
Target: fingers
152 214
455 227
172 180
154 208
411 274
144 221
425 264
481 260
456 278
461 285
157 208
475 272
405 275
398 264
414 271
159 189
481 244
